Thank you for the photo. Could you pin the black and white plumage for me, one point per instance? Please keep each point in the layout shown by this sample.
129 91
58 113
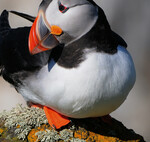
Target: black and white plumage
89 73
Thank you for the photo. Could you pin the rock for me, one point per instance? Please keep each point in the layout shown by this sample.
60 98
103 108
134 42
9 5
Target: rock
23 124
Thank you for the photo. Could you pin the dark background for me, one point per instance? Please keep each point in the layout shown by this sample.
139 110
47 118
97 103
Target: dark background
130 19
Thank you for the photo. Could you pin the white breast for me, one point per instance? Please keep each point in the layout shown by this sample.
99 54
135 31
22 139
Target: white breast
96 88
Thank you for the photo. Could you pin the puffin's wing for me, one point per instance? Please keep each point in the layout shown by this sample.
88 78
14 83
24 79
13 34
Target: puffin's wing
23 15
4 24
14 53
119 39
0 46
4 29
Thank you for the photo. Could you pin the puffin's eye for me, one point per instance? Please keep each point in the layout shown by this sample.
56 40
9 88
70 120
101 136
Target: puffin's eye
62 8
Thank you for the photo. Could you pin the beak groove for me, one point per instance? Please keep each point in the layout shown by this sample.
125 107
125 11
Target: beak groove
42 36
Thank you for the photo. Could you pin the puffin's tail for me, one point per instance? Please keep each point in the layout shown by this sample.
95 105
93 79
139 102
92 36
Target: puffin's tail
4 30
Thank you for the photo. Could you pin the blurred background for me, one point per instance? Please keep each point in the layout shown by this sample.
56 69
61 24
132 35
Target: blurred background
131 20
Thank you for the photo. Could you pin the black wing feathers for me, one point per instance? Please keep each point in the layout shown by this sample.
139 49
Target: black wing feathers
4 24
23 15
14 53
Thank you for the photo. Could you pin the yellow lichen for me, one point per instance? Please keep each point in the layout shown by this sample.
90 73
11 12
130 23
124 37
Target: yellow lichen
18 126
81 134
1 131
32 137
93 137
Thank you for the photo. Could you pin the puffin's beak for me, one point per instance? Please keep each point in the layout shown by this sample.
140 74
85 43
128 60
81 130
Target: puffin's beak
42 35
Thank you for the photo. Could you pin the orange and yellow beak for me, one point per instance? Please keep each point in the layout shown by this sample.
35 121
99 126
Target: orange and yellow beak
42 35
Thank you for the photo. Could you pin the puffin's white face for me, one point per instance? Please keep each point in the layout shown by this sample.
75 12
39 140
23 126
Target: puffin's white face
74 17
76 20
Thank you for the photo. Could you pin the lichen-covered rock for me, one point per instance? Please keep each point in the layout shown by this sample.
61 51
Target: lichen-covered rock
23 124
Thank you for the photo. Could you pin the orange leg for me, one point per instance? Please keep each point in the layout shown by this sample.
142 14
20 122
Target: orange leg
37 106
55 119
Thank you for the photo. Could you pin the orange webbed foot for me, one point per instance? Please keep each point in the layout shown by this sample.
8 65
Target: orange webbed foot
55 119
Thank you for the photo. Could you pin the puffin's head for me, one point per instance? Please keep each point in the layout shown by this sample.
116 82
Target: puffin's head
61 22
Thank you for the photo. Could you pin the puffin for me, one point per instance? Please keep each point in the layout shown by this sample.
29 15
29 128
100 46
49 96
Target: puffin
69 63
